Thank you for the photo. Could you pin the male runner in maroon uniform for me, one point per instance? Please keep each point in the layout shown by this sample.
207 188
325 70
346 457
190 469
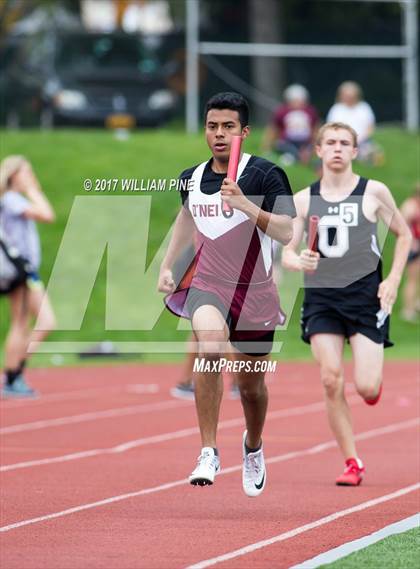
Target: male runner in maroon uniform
345 295
410 210
232 295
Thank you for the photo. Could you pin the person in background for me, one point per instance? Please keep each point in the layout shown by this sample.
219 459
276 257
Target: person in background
22 203
99 15
293 127
147 17
350 108
410 210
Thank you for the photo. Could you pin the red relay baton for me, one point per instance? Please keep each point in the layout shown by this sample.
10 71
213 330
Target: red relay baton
313 233
232 171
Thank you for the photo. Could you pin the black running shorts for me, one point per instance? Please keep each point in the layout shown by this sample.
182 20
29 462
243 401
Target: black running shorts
344 321
248 342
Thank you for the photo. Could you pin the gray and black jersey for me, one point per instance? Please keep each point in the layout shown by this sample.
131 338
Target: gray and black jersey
350 268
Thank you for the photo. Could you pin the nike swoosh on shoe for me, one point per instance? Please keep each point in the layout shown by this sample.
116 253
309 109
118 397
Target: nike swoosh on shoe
260 485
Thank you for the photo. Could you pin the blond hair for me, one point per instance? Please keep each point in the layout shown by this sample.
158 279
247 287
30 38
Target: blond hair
349 85
336 126
8 167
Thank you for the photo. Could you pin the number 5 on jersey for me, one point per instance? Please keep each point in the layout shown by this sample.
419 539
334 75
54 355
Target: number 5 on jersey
349 214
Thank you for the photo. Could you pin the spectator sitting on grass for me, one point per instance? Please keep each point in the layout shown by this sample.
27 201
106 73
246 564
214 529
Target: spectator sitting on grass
293 127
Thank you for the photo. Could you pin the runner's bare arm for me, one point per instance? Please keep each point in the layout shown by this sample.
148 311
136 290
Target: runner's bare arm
306 260
278 227
409 210
181 238
388 212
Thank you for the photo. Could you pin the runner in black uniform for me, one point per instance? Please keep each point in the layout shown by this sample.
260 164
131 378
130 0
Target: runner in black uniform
341 295
345 295
232 295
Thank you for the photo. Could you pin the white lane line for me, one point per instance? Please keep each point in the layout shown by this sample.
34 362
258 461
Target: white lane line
94 416
80 394
299 530
91 505
281 413
142 388
358 544
395 427
123 447
229 470
114 412
374 432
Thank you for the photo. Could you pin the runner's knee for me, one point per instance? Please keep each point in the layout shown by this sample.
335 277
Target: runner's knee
368 390
367 382
251 391
211 344
332 380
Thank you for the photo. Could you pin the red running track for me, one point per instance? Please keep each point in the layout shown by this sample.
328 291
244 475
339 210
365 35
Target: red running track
94 473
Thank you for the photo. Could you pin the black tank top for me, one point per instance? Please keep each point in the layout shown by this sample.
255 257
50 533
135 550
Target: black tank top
350 268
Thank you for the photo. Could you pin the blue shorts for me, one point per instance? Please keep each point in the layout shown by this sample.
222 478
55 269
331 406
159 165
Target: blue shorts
33 281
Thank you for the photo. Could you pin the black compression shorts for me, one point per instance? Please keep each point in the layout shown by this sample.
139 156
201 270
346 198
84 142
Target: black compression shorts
249 342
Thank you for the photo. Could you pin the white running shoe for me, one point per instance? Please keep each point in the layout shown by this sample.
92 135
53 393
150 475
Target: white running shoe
254 475
208 465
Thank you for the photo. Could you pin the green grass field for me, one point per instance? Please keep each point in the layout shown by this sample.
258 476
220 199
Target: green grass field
63 159
399 551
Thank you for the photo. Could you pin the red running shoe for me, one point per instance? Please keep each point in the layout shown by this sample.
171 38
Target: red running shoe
375 399
353 473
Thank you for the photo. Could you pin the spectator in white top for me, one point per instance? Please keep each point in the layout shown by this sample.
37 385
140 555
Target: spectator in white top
22 203
99 15
351 109
147 17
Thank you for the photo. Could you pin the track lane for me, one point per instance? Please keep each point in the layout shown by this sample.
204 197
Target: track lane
283 434
170 508
176 527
